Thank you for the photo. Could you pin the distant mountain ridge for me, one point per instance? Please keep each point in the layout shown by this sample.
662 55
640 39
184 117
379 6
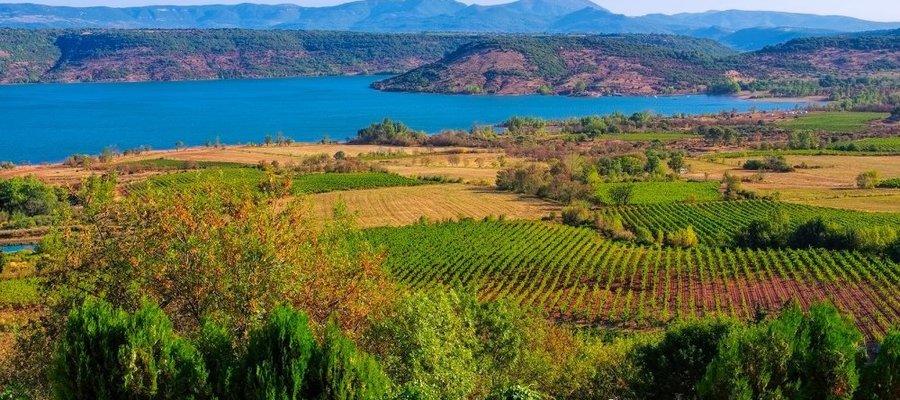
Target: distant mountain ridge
522 16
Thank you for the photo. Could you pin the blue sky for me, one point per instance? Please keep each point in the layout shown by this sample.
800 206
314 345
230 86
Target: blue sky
877 10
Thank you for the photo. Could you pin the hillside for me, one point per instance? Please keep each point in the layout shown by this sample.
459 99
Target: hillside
165 55
840 55
640 64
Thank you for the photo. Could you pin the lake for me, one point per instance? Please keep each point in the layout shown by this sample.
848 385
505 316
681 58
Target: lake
15 248
47 122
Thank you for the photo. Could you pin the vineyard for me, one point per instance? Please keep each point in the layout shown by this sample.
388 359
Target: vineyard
716 222
574 274
832 121
664 192
248 180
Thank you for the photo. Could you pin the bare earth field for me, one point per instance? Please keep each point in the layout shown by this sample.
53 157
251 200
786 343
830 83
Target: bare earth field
399 206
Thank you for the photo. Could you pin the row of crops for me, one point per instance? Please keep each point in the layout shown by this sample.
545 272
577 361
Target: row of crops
248 179
574 274
718 221
651 192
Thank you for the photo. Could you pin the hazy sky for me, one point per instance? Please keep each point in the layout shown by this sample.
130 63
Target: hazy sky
877 10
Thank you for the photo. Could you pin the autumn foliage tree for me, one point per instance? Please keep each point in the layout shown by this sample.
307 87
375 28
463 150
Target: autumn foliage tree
213 253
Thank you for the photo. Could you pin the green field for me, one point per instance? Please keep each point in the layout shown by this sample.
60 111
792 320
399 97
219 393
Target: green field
664 192
165 164
887 144
575 274
837 121
18 292
248 179
647 136
717 222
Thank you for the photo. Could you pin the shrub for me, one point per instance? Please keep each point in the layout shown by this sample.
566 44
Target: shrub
672 367
793 356
893 183
388 132
578 213
686 237
867 180
819 232
426 346
515 393
216 345
340 371
774 163
621 194
28 196
277 357
773 231
881 379
105 353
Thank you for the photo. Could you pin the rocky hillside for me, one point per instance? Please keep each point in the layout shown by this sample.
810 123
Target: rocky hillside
641 64
165 55
583 65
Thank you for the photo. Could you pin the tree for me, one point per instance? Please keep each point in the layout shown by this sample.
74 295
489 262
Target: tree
216 345
106 353
340 371
673 367
214 251
867 180
881 379
426 346
277 358
621 194
676 161
794 356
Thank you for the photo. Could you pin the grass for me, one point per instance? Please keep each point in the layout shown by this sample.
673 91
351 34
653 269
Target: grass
647 136
19 292
664 192
835 121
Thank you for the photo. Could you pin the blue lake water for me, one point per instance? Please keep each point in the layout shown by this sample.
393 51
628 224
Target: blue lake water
48 122
15 248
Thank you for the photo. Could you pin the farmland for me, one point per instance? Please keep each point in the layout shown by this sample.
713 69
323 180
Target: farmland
573 274
399 206
832 121
716 222
664 192
249 179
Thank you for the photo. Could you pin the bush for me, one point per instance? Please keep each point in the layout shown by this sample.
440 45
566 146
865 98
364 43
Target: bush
28 196
867 180
578 213
793 356
388 132
773 231
339 371
515 393
819 232
278 357
774 163
621 194
426 346
686 237
673 367
893 183
881 379
105 353
216 345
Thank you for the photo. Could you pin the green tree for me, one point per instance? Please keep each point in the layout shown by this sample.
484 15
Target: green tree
676 161
621 194
277 358
881 379
340 371
673 367
426 346
105 353
216 345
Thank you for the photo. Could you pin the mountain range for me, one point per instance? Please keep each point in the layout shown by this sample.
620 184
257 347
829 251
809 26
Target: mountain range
743 30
